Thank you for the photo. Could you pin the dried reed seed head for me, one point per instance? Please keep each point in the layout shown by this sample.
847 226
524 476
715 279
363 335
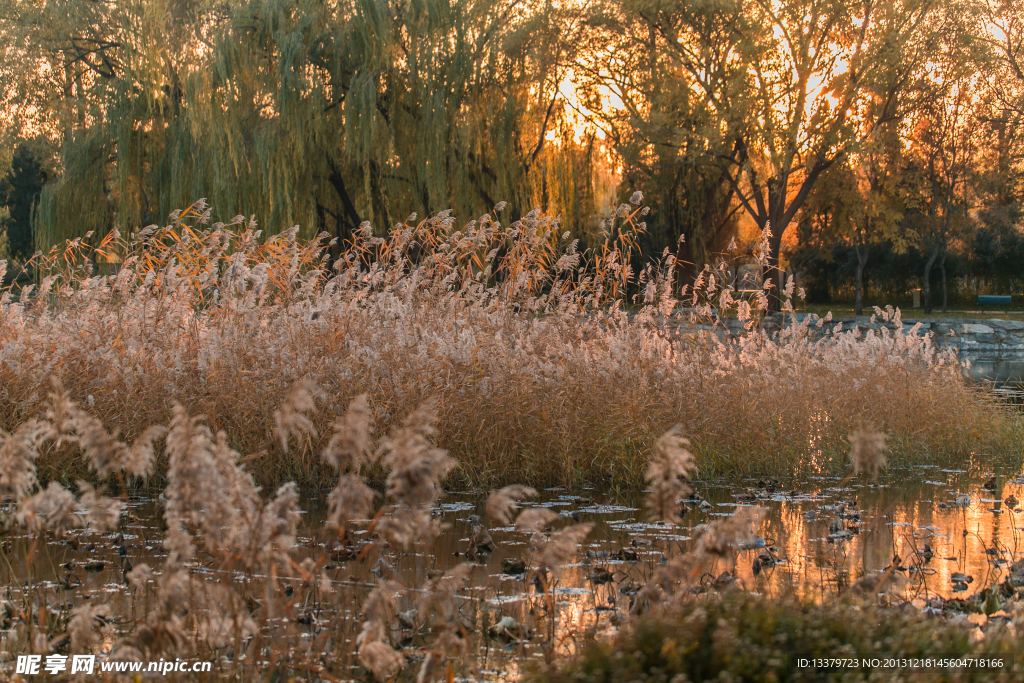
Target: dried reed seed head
663 501
140 576
418 481
438 594
561 548
451 580
501 504
101 513
221 630
163 636
173 587
139 462
84 626
207 490
417 466
104 451
324 583
867 449
18 452
406 526
449 641
533 520
291 419
351 499
380 603
352 437
282 516
413 434
381 660
667 580
725 536
53 508
670 464
60 412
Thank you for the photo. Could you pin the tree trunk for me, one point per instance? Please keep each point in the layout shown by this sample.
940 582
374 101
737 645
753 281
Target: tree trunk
926 283
862 260
349 213
942 269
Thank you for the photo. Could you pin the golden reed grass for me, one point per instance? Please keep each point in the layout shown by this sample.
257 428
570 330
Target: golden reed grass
235 584
217 524
522 338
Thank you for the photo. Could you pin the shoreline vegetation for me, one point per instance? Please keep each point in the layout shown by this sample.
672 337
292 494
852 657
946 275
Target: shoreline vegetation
293 607
735 636
518 333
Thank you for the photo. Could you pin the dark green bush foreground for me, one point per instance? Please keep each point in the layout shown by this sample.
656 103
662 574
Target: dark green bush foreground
745 638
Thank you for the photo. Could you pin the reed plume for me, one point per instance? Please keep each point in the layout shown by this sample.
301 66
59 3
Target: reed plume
501 504
375 654
351 440
667 473
560 549
52 508
414 482
101 513
579 390
725 536
292 419
85 625
535 520
867 449
18 453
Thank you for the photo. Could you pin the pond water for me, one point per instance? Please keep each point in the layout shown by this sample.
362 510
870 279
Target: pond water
999 369
940 533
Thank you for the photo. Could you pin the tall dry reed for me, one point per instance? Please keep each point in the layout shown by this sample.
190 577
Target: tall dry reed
235 584
521 336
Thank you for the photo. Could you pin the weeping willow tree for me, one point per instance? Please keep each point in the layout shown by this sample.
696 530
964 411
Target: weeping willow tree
309 112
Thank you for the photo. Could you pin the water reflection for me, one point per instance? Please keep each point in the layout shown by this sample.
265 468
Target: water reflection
929 527
1001 369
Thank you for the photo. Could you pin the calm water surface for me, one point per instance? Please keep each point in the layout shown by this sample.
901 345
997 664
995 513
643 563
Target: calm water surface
933 524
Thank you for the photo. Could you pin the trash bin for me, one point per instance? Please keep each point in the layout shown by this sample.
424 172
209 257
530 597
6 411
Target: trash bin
917 298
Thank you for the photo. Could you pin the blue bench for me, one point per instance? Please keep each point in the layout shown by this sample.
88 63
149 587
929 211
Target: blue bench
993 300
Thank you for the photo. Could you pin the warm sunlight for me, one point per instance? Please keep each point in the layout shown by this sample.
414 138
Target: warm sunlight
512 341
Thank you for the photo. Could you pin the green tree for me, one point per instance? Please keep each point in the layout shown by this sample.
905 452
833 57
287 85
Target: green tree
299 111
779 92
998 31
942 156
858 202
632 92
19 191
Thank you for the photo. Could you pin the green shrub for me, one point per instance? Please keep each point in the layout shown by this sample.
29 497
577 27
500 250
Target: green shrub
739 637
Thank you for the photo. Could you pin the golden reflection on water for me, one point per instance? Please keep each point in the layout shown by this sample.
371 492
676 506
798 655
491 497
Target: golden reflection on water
981 540
823 550
816 460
